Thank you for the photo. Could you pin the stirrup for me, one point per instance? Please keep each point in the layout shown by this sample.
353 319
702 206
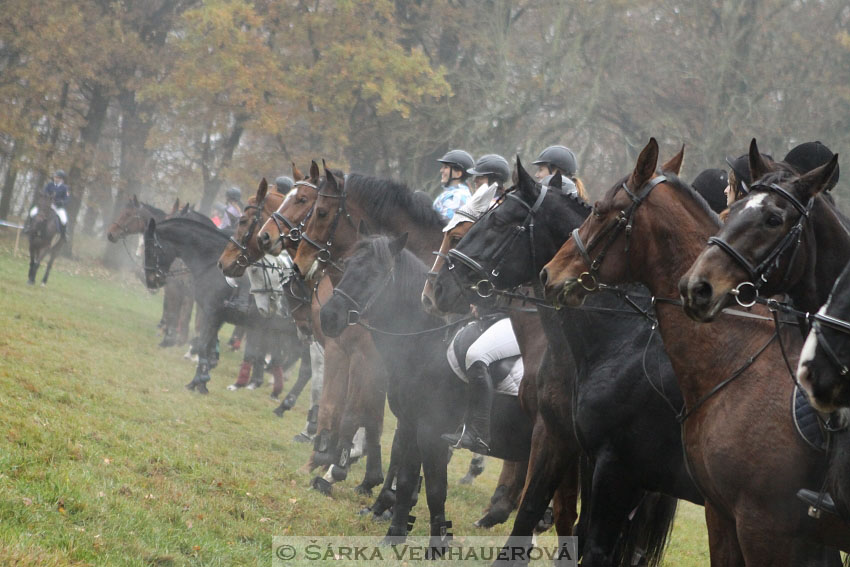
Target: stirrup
818 502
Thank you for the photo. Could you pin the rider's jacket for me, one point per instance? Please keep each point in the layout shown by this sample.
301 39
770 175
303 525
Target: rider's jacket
60 193
451 199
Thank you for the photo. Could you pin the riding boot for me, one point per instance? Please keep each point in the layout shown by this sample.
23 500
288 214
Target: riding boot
62 231
820 502
279 378
244 376
476 431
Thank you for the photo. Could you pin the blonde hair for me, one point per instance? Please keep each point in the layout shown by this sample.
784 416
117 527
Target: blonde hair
582 192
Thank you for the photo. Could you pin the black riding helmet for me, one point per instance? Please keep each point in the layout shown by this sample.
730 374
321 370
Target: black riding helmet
561 157
60 173
284 184
810 155
494 166
741 168
711 183
233 194
458 159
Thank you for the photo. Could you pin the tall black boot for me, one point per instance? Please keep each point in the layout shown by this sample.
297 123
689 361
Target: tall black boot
62 231
476 431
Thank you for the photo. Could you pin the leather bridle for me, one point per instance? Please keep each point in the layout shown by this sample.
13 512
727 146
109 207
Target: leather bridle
354 315
242 259
324 250
293 232
624 222
746 293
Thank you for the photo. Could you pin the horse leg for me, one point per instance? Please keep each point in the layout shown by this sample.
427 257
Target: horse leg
506 495
386 497
206 345
373 400
33 269
304 372
435 461
764 544
723 547
334 387
184 318
53 253
476 467
170 311
549 462
407 483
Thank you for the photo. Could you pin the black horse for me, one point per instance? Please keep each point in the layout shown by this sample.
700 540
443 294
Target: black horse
381 282
200 246
612 396
45 238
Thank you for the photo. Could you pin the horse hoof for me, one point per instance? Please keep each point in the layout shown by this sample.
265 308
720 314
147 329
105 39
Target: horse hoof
339 473
467 479
363 490
202 388
384 516
301 437
322 486
279 411
252 386
191 385
364 511
234 387
546 522
30 282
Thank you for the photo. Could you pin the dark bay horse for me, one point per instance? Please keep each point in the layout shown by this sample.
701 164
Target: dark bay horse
200 246
598 359
45 238
740 444
785 236
381 281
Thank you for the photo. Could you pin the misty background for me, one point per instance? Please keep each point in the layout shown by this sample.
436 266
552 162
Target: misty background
185 98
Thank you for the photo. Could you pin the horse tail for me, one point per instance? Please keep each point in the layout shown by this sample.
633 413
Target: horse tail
585 498
648 530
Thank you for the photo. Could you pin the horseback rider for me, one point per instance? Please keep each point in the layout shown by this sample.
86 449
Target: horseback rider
453 174
60 193
489 339
810 155
711 184
284 184
739 177
232 208
559 159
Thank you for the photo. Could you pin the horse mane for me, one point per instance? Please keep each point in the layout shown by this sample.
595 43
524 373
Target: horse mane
152 210
409 271
680 186
188 222
384 197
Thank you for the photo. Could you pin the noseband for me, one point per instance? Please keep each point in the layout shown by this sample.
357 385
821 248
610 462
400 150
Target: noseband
293 232
324 251
589 279
242 259
353 316
747 293
485 287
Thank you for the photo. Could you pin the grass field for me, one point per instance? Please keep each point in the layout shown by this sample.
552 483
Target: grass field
105 459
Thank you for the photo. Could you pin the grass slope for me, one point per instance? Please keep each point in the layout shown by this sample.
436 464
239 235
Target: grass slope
105 459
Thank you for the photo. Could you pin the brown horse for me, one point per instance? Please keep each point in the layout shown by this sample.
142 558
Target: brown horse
45 238
785 236
532 345
649 228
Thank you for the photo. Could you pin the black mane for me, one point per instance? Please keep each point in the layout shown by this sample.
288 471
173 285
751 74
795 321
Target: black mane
384 197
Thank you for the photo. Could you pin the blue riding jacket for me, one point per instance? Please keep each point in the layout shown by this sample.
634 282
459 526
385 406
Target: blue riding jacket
60 193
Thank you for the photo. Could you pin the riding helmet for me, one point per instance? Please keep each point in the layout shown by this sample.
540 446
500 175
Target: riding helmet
561 157
284 184
233 194
458 159
741 168
60 173
810 155
494 166
710 184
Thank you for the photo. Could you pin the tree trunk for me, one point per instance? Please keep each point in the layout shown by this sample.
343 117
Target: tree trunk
9 183
211 174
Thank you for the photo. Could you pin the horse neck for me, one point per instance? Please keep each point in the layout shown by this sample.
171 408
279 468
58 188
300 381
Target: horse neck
828 255
422 238
198 248
151 212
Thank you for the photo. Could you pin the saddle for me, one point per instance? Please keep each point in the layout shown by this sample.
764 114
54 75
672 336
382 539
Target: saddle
500 369
807 421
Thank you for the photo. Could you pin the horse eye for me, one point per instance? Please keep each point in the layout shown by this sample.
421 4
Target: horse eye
774 220
302 200
596 212
321 214
454 240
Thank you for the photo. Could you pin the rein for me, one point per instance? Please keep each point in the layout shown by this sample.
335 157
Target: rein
324 251
242 259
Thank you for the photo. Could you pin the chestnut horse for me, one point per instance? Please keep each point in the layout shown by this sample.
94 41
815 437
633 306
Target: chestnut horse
739 441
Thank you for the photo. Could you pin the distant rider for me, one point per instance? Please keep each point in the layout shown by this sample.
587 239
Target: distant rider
453 174
60 193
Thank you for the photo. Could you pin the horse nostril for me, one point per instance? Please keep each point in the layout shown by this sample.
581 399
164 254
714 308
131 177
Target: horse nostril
544 276
702 292
220 267
426 301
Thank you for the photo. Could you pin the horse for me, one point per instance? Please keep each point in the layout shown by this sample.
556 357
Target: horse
785 236
380 281
596 360
45 238
649 228
199 246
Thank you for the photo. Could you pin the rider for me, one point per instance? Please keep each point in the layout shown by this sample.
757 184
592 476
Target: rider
711 184
740 178
59 191
559 159
452 176
232 208
490 338
283 184
809 155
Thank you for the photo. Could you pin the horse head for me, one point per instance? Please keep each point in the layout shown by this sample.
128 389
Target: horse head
131 220
282 229
243 249
158 259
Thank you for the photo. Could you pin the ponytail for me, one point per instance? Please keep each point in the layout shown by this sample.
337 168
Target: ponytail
582 192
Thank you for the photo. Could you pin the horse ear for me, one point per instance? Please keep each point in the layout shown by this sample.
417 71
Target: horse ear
176 206
314 172
674 164
556 180
398 243
330 178
526 183
185 210
646 164
296 173
818 179
151 228
759 166
262 190
363 229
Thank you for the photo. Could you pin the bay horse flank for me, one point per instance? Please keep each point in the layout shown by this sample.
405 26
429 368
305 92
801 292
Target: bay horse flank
730 372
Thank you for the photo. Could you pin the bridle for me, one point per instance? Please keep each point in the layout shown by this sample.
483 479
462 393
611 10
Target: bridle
624 222
485 287
747 293
354 315
242 259
123 227
293 232
324 250
159 274
820 320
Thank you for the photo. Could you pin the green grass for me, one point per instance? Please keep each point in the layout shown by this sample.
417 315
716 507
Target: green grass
105 459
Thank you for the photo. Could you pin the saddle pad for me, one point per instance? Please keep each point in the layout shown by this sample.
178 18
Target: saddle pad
806 420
